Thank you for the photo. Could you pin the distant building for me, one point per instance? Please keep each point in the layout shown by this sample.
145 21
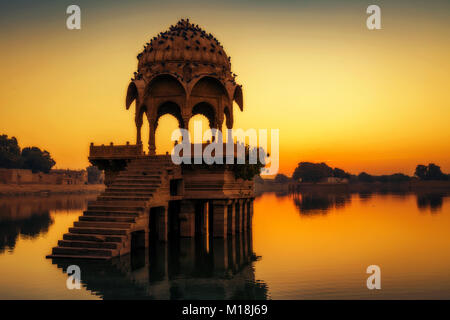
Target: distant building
26 176
69 176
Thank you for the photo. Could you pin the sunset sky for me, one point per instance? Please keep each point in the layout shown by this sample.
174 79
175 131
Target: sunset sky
375 101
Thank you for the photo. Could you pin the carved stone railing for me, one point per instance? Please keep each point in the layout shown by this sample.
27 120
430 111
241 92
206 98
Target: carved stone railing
128 151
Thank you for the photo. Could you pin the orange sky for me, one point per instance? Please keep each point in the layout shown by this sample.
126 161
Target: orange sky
375 101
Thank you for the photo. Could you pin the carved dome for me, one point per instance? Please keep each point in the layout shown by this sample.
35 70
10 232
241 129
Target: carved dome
187 52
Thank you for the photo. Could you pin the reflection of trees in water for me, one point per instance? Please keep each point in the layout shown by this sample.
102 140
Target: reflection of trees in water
181 269
30 227
311 202
320 202
29 216
365 195
432 201
281 194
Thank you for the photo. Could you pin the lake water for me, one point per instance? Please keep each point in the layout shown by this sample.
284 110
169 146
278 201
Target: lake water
303 246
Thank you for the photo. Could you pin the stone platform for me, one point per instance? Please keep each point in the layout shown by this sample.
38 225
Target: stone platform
150 197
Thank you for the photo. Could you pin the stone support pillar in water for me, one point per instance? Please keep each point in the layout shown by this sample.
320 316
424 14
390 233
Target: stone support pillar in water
220 219
237 213
187 219
163 224
231 217
244 215
250 214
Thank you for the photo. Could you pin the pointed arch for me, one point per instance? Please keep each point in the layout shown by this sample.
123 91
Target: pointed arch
207 110
208 85
238 97
165 84
169 107
135 92
229 117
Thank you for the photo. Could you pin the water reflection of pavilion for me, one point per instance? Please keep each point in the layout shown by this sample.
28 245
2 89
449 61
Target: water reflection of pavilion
193 268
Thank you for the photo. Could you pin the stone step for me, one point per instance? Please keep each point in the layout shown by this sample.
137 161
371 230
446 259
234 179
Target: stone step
113 208
131 189
134 182
158 168
149 170
65 256
83 251
134 205
150 161
102 224
107 219
140 178
134 185
124 198
102 213
95 238
129 192
99 231
145 170
117 205
88 244
136 171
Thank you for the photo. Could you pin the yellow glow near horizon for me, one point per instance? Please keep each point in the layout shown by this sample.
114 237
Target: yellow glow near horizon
375 101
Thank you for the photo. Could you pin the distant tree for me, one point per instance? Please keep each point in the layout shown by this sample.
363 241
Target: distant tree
398 177
312 172
430 172
93 174
9 153
281 178
339 173
435 173
37 160
421 171
365 177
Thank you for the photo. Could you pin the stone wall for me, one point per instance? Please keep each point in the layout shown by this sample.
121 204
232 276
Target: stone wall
25 176
16 176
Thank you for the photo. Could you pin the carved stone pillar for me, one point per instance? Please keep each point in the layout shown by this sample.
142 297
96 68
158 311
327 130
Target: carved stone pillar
231 218
220 221
163 224
241 215
187 219
151 138
244 215
250 214
138 119
203 216
220 255
237 215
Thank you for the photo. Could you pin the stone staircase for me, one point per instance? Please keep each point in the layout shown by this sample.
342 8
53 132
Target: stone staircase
104 230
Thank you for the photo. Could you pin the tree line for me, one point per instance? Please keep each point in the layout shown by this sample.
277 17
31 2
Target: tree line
316 172
33 158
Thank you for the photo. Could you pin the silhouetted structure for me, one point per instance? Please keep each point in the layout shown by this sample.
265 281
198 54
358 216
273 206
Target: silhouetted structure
183 72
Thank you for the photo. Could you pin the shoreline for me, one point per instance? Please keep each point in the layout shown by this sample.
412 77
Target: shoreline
410 186
7 190
375 186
